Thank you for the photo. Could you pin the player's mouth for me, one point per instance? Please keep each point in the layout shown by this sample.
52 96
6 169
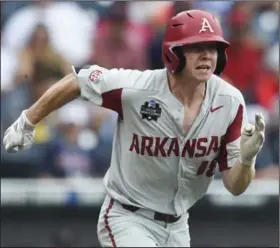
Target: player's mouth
203 68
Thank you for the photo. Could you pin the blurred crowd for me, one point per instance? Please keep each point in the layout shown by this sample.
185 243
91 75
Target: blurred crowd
40 40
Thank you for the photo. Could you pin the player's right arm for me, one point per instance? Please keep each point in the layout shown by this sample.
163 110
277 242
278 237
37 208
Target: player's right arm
64 91
21 133
96 84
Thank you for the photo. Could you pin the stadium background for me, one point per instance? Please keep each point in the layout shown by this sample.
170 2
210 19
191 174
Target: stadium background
51 193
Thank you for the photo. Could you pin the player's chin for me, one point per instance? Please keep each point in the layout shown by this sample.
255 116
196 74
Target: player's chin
203 76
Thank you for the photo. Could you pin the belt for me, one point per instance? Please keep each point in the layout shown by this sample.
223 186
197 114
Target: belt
168 218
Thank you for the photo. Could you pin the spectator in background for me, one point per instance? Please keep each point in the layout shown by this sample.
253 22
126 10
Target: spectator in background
39 62
273 133
38 66
266 12
9 64
245 52
266 92
76 149
103 123
70 27
120 43
267 85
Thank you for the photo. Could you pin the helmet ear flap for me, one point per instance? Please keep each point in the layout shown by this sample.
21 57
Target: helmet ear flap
221 61
182 60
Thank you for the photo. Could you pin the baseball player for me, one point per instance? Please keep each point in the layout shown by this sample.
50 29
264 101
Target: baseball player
176 126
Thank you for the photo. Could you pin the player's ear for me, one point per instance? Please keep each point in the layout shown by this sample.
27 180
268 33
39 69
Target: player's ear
182 60
221 61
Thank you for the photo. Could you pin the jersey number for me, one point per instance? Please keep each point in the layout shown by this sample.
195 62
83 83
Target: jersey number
207 167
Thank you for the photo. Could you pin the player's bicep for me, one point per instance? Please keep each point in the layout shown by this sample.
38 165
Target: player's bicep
230 144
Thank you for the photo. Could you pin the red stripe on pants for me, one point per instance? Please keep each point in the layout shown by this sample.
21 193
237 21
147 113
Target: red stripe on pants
111 236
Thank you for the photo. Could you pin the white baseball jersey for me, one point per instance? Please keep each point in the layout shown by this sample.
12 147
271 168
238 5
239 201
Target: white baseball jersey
153 164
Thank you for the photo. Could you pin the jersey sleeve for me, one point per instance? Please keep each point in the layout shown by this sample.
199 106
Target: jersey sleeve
102 86
230 143
91 80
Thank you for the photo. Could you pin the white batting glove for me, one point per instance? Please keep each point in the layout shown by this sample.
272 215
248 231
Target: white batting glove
252 139
20 135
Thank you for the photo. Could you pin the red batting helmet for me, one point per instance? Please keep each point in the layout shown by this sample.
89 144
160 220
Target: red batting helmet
190 27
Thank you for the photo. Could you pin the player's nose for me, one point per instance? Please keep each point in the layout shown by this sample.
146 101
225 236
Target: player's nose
206 53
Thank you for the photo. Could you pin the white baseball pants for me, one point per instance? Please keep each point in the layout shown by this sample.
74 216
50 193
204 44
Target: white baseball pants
119 227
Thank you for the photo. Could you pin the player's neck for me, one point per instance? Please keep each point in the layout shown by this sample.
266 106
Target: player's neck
187 93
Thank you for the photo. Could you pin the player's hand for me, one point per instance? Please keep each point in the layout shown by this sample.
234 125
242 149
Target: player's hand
252 139
19 135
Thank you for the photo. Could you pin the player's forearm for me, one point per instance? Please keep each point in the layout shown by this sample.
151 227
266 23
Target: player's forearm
239 177
64 91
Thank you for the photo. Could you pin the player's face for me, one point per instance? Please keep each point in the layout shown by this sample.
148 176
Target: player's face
201 60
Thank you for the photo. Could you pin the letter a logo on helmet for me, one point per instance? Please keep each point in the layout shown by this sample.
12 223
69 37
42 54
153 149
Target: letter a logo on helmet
205 24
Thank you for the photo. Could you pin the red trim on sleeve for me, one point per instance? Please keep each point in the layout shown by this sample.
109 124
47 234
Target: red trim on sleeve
223 165
233 132
113 100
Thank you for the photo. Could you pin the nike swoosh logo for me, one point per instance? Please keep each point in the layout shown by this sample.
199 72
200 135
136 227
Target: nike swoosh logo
214 109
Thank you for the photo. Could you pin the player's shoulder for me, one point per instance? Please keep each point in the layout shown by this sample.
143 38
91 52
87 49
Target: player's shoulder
137 79
222 88
125 78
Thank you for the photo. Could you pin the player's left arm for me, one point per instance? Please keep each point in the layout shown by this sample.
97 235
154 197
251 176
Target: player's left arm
243 142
